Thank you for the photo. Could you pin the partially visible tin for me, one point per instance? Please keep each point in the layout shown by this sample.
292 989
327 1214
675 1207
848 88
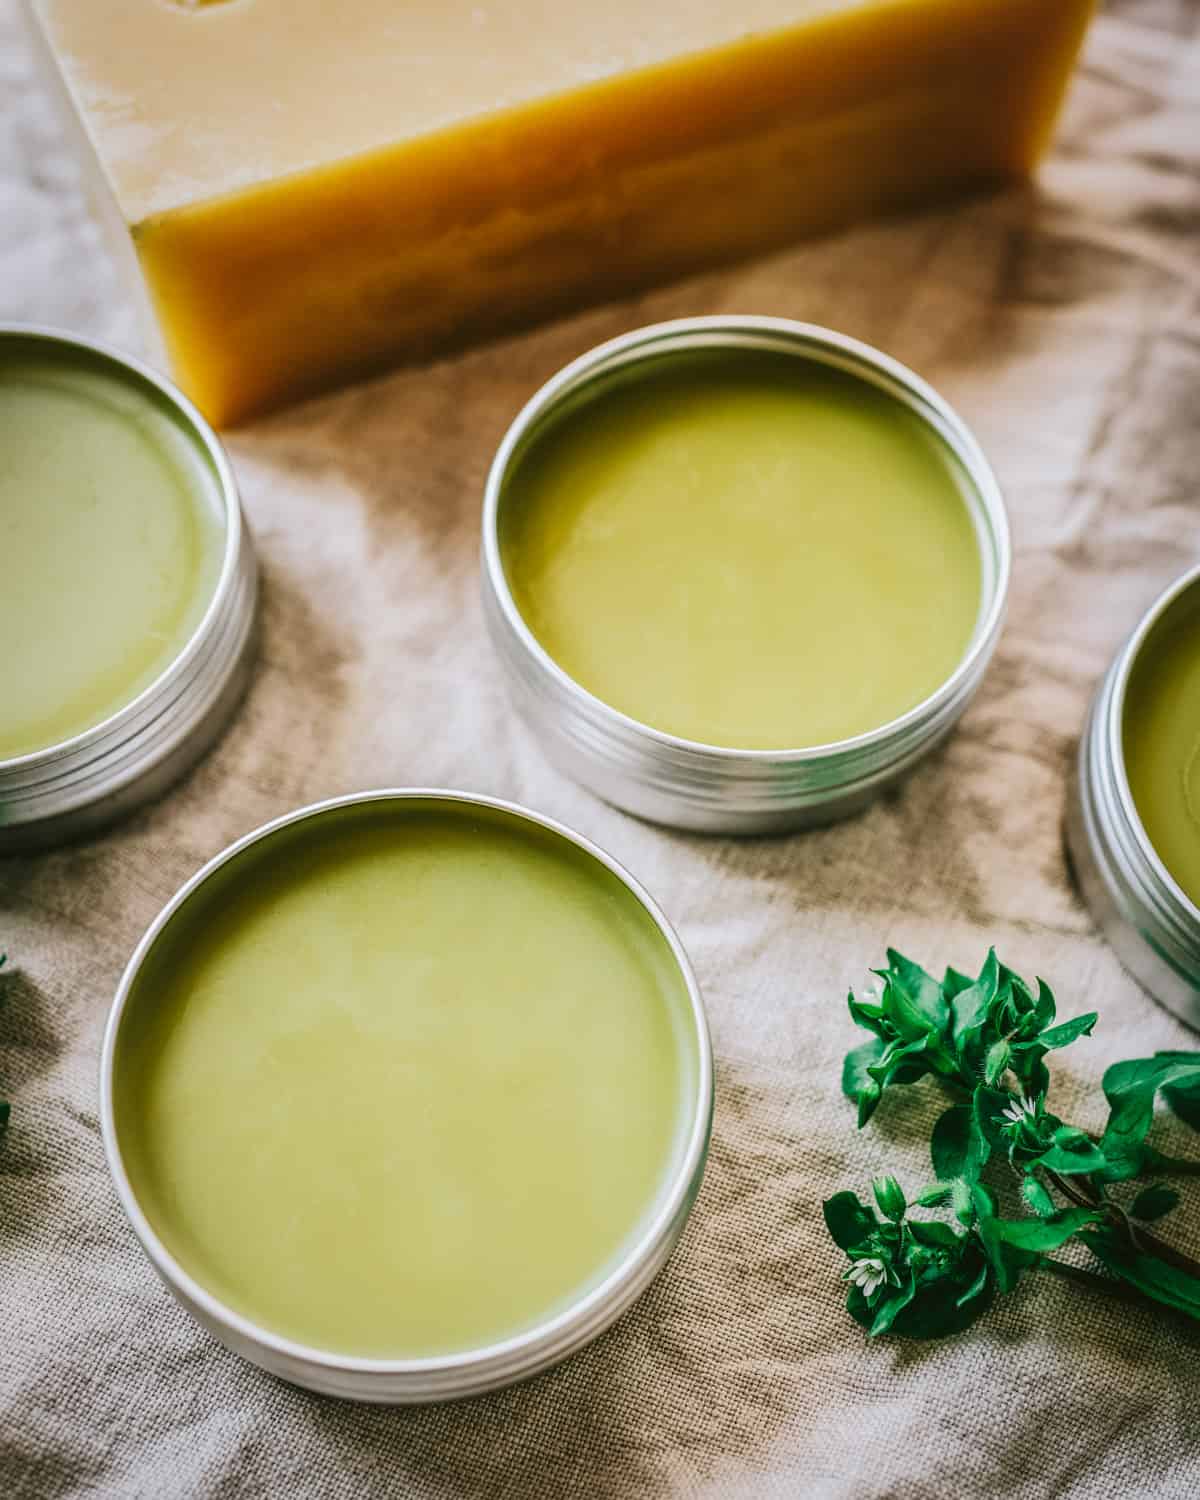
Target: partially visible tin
710 788
69 789
1150 922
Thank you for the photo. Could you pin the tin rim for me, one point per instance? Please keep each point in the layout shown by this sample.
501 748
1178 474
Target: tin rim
1114 732
857 358
226 485
515 1356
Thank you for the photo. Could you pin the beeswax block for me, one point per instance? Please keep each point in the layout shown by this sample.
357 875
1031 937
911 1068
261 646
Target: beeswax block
316 189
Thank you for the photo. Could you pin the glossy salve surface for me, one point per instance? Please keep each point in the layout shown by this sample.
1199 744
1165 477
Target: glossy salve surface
744 549
405 1079
1161 734
111 534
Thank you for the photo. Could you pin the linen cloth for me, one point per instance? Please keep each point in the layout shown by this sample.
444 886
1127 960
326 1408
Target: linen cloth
1062 319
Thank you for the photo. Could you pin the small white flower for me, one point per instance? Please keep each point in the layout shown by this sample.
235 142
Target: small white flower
1019 1109
867 1275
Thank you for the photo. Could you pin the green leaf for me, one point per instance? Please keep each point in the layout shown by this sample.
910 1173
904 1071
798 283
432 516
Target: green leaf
1122 1164
900 1008
934 1196
970 1009
948 1146
848 1221
896 1057
1042 1235
999 1054
1036 1196
890 1197
1147 1273
986 1107
1184 1100
971 1006
1153 1202
1006 1262
1068 1031
891 1307
855 1076
977 1287
936 1235
868 1102
1185 1106
1043 1006
953 983
869 1017
1019 1018
1130 1088
1007 1258
1071 1160
924 992
984 1200
1032 1072
989 975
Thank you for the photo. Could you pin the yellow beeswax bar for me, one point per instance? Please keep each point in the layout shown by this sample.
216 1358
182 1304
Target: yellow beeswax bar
316 189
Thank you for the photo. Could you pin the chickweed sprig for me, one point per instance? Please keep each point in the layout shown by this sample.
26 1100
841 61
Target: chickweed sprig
985 1040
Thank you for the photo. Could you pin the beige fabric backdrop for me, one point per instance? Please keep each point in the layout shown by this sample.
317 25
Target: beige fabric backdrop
1063 320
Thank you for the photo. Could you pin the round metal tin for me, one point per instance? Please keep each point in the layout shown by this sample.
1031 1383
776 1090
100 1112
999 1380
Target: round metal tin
412 1381
67 790
710 788
1149 921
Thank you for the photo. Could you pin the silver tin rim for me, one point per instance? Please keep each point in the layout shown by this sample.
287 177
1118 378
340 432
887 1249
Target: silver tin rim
412 1381
1149 921
710 788
80 784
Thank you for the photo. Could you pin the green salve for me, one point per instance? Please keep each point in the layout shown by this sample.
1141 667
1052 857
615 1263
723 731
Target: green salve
1161 730
744 549
111 538
405 1080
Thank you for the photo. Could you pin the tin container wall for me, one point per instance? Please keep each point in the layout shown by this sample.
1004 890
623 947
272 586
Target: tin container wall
1148 920
70 789
708 788
414 1381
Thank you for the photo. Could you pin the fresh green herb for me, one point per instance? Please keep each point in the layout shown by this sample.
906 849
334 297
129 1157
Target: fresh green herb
985 1040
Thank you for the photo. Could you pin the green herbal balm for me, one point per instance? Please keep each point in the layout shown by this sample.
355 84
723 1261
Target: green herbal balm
406 1077
110 536
1161 734
744 549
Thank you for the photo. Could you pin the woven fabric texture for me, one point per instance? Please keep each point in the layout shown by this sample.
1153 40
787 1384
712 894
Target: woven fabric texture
1063 319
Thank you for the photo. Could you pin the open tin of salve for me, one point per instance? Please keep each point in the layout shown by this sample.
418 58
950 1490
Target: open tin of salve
1133 816
407 1095
128 598
741 572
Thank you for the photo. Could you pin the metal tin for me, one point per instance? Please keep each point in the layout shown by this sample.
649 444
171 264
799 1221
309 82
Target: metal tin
412 1381
710 788
1140 908
70 789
